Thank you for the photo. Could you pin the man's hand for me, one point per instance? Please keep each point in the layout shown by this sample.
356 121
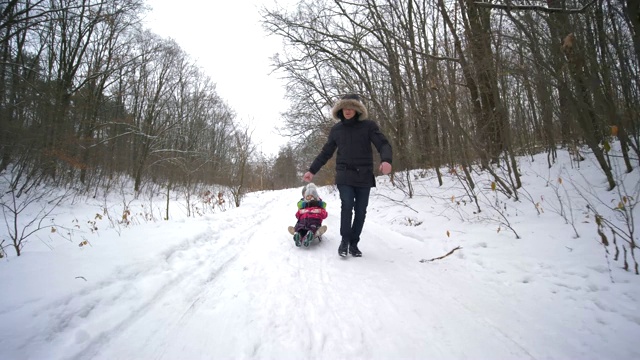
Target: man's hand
385 168
308 176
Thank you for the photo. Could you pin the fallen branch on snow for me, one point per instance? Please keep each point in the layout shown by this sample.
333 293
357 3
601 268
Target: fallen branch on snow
443 256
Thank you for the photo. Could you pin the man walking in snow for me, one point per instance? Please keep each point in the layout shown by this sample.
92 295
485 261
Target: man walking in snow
352 136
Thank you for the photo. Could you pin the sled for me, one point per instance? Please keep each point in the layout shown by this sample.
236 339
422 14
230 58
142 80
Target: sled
318 234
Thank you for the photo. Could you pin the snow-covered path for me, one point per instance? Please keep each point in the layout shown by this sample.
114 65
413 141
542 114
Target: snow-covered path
226 291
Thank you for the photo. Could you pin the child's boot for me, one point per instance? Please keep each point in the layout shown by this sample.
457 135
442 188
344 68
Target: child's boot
296 239
308 238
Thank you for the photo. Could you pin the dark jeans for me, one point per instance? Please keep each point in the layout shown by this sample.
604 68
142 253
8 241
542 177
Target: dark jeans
354 199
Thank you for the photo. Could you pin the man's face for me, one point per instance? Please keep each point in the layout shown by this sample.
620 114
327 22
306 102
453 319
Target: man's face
348 113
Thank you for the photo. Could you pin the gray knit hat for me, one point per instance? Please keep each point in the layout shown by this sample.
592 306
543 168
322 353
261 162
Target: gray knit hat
351 101
310 189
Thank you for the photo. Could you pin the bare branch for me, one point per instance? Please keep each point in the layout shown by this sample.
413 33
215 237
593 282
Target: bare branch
510 7
443 256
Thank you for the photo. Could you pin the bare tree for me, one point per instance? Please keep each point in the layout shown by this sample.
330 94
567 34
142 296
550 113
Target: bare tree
26 213
285 174
240 166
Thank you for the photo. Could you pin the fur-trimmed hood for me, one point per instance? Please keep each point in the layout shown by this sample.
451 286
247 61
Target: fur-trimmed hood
351 101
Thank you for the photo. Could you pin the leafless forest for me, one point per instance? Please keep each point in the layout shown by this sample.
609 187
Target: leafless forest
88 96
463 83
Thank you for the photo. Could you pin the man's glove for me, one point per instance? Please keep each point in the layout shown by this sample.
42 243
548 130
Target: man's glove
385 168
308 176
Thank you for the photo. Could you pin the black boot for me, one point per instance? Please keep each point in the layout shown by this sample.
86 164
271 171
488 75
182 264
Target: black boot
353 249
344 246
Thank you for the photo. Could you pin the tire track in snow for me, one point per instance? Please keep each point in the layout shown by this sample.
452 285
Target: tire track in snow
86 320
207 270
145 305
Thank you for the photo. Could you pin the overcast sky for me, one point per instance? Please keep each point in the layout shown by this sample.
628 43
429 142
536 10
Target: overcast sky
228 42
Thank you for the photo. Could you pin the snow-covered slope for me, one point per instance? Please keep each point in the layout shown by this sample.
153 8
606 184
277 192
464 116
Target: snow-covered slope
233 285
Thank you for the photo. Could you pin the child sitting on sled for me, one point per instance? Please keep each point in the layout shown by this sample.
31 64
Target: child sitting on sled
311 212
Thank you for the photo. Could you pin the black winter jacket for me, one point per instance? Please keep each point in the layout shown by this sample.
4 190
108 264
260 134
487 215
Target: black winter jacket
354 163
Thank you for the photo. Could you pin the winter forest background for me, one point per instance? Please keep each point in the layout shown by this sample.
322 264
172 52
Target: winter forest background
92 103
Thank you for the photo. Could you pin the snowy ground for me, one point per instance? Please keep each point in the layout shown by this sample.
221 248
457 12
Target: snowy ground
232 285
